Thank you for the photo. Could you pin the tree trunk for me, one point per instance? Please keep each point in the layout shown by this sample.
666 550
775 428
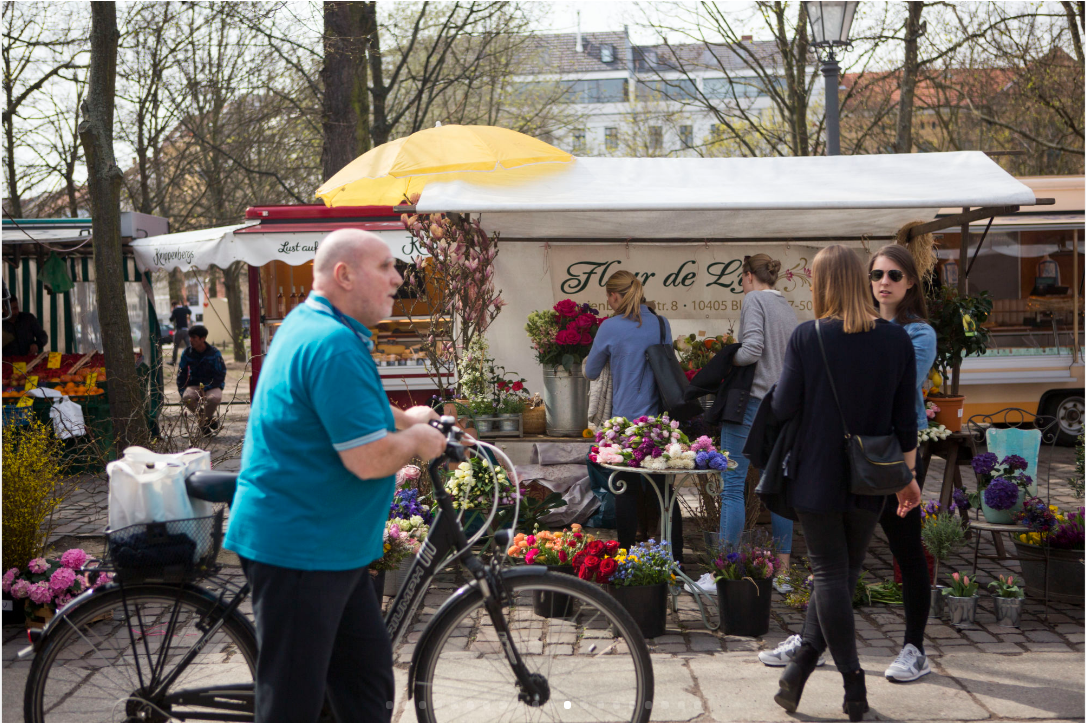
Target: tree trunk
380 129
904 141
176 280
104 186
345 117
15 203
232 276
1075 21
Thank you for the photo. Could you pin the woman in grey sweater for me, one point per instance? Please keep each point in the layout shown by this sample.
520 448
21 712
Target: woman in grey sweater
765 325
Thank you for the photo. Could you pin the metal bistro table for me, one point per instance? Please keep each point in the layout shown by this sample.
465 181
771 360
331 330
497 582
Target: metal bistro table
667 497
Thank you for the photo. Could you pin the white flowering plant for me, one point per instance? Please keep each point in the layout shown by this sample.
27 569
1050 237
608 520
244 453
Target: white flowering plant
933 433
471 485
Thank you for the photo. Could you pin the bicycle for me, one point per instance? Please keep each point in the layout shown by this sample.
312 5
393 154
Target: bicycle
513 643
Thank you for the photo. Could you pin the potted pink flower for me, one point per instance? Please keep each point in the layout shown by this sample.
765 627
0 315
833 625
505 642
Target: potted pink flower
562 337
47 585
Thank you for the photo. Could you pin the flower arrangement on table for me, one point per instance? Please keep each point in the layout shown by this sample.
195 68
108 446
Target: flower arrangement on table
1005 587
563 334
1047 526
932 433
695 352
654 443
471 485
52 582
648 563
544 547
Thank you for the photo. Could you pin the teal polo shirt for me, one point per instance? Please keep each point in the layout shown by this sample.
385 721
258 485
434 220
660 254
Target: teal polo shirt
297 506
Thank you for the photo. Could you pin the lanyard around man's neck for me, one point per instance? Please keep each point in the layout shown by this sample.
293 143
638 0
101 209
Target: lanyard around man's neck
329 307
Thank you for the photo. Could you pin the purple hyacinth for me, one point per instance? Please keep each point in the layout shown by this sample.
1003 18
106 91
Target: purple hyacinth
701 460
1013 461
961 500
984 463
1001 494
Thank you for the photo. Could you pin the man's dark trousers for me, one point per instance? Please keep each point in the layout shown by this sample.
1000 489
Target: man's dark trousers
319 632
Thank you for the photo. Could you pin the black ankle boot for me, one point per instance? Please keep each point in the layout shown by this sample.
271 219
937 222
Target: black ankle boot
855 695
795 677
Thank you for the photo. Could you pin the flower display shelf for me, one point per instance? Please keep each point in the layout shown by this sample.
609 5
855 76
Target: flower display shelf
666 498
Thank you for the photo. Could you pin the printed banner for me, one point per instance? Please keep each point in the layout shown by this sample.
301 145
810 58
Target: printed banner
687 281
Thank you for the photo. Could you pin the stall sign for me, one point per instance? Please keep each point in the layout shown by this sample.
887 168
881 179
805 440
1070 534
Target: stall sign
686 281
54 360
20 367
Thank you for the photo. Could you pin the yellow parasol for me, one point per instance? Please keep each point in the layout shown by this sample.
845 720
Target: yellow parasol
480 154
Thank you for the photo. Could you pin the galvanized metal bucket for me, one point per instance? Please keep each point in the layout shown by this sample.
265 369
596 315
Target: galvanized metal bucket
1008 611
963 610
565 395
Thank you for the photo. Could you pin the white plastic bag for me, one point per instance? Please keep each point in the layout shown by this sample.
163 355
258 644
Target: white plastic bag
148 487
67 419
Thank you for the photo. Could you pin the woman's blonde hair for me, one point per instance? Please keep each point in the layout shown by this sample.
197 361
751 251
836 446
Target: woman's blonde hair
762 267
628 286
840 290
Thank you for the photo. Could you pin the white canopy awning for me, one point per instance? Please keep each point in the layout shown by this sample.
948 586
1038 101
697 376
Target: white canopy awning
224 245
742 198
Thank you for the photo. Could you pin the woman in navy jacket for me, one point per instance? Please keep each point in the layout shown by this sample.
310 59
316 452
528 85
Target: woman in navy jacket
874 370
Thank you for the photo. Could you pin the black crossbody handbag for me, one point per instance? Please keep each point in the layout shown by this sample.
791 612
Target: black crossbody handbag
876 464
670 380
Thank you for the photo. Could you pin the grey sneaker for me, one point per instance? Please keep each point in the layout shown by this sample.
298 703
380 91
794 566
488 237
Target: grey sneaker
782 654
910 665
781 586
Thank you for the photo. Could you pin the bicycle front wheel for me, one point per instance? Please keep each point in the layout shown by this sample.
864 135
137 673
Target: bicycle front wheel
106 659
571 635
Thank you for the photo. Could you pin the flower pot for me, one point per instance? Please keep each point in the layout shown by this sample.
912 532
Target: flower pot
565 396
13 610
1008 611
963 610
950 412
393 579
483 425
535 420
549 604
1001 517
936 609
508 422
38 617
745 606
647 604
1066 575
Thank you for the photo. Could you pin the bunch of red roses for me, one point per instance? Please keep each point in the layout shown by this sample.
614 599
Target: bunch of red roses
576 323
563 334
596 562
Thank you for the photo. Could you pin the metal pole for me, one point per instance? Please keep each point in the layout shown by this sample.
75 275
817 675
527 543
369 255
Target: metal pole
830 71
963 287
1074 308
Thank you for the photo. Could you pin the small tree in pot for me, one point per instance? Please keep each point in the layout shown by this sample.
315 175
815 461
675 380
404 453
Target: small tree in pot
957 322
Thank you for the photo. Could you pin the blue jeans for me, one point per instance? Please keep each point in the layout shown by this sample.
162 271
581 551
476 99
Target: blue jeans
733 510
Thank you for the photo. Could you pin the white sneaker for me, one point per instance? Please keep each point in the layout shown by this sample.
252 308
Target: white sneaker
781 586
910 665
705 583
782 654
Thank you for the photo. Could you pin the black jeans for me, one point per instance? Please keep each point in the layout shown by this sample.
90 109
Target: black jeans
836 545
626 510
903 536
319 632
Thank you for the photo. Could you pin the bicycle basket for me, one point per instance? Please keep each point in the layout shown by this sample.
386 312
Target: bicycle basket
172 551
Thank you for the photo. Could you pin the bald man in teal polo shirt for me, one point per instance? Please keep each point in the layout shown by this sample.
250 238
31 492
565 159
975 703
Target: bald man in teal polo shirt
317 477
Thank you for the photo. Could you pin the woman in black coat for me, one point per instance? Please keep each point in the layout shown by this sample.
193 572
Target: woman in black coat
874 369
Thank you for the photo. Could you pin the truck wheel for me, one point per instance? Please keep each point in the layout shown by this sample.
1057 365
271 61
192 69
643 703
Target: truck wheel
1068 411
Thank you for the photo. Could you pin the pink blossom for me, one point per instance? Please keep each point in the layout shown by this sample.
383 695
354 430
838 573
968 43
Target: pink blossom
104 579
20 589
531 555
64 600
394 531
40 593
62 579
73 559
530 539
9 578
38 565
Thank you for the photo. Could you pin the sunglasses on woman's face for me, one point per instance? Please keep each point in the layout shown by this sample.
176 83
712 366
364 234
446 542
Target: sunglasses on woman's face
895 275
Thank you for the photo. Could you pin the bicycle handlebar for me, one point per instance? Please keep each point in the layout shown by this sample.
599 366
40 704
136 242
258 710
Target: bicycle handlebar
454 447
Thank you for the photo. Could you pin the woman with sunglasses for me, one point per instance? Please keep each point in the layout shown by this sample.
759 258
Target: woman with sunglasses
899 298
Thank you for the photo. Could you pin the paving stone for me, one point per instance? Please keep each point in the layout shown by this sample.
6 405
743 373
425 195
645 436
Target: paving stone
1047 647
704 644
940 631
999 648
979 636
1042 636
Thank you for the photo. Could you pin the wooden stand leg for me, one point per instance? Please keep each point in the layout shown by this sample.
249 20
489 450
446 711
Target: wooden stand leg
949 475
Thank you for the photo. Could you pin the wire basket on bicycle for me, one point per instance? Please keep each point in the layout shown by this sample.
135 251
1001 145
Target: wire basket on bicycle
173 551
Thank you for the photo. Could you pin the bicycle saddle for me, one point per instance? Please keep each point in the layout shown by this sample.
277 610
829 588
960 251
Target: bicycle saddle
212 486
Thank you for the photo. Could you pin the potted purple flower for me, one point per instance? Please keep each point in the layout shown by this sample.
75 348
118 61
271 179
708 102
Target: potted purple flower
1012 486
1050 551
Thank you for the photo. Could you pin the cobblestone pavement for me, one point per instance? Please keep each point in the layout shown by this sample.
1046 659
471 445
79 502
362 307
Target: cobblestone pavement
879 628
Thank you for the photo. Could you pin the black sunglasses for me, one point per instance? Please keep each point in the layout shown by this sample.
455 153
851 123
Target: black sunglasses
895 275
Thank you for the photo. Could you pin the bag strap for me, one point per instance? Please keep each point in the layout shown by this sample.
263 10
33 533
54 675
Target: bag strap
661 320
833 387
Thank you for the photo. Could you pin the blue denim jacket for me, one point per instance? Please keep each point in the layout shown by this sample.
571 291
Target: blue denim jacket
923 338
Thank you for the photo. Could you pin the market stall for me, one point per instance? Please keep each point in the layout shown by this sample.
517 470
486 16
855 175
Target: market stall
279 244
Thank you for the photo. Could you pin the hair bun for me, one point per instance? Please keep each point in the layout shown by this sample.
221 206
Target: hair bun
773 266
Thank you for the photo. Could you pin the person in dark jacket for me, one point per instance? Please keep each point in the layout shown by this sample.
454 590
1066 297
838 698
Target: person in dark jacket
22 333
201 378
874 370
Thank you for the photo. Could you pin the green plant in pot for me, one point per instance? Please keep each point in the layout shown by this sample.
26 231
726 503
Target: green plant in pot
941 533
1008 601
962 599
957 321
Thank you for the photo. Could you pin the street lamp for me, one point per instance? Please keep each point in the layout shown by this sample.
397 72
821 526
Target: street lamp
830 23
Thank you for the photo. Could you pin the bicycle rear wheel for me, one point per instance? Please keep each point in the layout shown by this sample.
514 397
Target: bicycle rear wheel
104 658
586 646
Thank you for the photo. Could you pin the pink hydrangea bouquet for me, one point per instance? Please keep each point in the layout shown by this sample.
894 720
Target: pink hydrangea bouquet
563 334
52 582
651 443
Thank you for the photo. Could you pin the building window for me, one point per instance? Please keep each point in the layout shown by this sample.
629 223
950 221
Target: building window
659 90
607 53
656 139
606 90
579 145
610 139
717 132
686 136
731 88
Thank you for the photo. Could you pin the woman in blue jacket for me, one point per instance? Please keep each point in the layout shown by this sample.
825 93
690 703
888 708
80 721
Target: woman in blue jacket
623 340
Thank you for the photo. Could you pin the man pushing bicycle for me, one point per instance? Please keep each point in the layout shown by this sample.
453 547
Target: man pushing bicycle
317 477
